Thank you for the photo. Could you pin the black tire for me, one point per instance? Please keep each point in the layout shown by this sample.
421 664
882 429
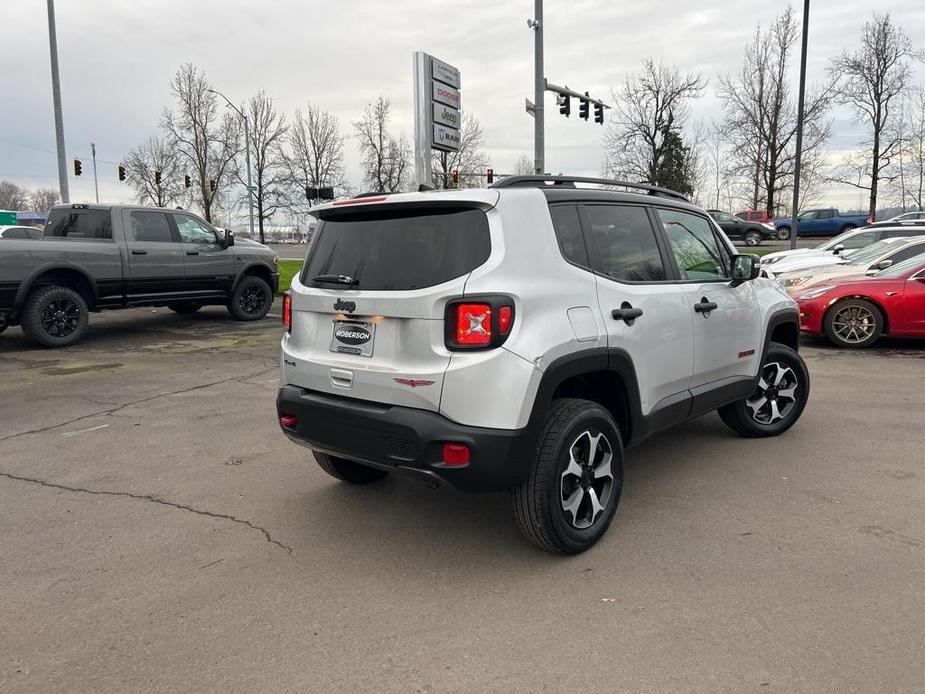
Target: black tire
251 299
347 470
853 323
55 316
185 308
540 501
752 238
848 227
783 233
757 415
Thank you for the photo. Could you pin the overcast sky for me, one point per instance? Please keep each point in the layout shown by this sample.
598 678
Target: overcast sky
117 58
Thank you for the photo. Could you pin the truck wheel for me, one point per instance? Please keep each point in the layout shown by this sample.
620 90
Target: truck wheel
185 308
848 227
778 400
55 316
347 470
570 496
783 233
853 323
251 299
752 238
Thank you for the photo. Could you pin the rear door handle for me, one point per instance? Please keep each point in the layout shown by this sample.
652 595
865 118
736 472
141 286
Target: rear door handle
705 306
626 313
192 253
138 251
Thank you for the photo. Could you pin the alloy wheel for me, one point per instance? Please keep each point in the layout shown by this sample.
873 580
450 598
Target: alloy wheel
776 394
60 317
252 300
854 324
587 484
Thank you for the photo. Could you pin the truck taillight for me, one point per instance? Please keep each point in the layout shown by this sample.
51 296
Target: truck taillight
870 219
482 322
287 312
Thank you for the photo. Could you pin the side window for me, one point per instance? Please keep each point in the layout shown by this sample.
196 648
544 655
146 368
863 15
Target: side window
625 243
696 249
191 230
568 232
902 233
80 224
811 214
824 214
150 227
860 240
907 253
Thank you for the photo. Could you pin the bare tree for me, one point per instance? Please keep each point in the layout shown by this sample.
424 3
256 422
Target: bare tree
267 130
152 169
470 160
386 158
649 108
206 141
12 197
43 199
523 166
312 155
761 121
871 79
913 147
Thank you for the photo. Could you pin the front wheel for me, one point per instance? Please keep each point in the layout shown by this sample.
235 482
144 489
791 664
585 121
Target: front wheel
347 470
570 496
251 299
783 233
752 238
853 323
779 398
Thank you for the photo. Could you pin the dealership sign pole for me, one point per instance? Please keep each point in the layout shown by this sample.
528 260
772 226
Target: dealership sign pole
437 113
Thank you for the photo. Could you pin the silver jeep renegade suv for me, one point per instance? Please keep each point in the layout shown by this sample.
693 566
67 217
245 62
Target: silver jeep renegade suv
519 337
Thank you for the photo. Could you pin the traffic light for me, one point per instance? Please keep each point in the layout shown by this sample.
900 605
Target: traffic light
599 113
455 177
157 178
565 105
211 184
583 108
78 167
490 176
187 181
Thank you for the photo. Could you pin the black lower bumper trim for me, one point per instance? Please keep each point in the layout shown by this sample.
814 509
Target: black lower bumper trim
406 439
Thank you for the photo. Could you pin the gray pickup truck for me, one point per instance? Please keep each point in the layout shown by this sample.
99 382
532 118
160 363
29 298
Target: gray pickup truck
95 257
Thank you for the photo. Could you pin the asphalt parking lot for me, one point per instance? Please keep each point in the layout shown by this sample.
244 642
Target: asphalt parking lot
158 533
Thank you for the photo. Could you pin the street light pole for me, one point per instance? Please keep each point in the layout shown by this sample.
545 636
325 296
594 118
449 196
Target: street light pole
247 152
539 90
96 185
794 222
56 96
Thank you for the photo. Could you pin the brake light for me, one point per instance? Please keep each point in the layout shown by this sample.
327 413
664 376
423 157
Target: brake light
360 201
287 312
473 324
288 420
870 219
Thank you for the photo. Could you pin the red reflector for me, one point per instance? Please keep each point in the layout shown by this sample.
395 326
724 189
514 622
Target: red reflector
455 454
287 312
360 201
505 317
287 420
473 324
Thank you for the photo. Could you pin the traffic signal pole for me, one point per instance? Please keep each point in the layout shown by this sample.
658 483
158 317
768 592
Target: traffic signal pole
56 96
539 88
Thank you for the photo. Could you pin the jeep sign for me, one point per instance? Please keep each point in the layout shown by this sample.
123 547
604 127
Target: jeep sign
446 115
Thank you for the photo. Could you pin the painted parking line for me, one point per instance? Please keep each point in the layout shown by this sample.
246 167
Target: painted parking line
83 431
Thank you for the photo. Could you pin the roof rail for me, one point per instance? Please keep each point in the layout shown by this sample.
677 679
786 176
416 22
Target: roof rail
537 181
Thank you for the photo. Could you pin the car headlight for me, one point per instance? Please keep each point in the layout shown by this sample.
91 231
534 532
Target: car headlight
816 292
795 281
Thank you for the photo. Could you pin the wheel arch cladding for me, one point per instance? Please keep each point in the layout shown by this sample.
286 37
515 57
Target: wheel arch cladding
256 270
64 276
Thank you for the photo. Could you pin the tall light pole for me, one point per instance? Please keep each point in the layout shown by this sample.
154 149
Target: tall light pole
794 222
56 96
96 185
539 89
247 151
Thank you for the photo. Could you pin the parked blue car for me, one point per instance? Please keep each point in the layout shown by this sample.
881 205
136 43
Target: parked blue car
822 222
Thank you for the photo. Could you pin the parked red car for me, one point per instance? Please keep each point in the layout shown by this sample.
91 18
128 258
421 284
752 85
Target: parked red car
760 216
855 311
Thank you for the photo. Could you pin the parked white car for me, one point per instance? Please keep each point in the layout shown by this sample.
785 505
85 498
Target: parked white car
849 241
908 216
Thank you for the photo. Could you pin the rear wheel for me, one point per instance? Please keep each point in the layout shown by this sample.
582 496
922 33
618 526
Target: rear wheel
854 323
752 238
783 233
347 470
778 400
185 308
570 496
251 299
55 316
848 227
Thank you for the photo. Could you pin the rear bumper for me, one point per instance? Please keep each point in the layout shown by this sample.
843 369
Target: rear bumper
406 440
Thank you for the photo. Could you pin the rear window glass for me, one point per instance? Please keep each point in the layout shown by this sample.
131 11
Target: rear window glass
79 224
401 250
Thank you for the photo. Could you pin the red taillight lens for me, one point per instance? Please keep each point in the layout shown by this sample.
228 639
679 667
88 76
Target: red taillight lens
287 420
455 454
287 312
473 324
870 220
505 318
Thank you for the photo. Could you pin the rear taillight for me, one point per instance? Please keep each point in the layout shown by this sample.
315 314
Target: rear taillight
455 454
481 322
287 312
870 219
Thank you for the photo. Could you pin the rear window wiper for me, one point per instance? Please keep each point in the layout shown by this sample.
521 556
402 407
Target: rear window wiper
337 279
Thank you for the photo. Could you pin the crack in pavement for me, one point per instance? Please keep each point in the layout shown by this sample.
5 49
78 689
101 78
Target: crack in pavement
154 500
112 410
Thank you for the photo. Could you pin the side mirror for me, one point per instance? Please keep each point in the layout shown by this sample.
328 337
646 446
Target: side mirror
839 247
744 268
228 241
883 264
